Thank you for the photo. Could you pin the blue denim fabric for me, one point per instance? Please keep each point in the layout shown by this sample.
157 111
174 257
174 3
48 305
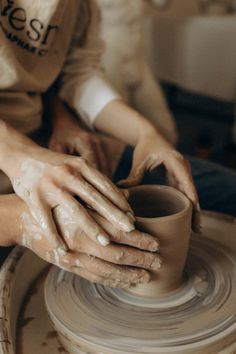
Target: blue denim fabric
216 185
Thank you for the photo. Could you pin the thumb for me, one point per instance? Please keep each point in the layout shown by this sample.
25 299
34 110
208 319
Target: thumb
135 176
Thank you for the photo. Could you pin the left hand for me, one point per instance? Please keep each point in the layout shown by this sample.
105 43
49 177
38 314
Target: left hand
69 138
121 265
150 153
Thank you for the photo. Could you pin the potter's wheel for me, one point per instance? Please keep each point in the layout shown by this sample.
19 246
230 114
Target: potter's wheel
200 317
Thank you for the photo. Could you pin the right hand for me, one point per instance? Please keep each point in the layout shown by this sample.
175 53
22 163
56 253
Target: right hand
45 179
69 137
117 265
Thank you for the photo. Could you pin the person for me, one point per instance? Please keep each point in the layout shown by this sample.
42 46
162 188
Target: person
215 184
63 208
123 29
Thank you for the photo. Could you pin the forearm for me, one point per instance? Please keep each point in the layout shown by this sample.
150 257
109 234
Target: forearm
7 138
12 145
119 120
11 209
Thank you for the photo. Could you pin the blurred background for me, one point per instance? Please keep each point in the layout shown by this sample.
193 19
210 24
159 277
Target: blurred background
190 49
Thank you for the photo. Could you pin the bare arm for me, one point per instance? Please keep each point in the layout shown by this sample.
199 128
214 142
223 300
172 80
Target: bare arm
45 179
151 150
121 121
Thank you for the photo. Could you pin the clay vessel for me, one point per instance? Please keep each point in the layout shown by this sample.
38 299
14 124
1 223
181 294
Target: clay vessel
166 213
198 318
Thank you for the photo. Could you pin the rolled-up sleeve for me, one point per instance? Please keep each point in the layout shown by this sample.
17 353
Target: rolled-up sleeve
82 83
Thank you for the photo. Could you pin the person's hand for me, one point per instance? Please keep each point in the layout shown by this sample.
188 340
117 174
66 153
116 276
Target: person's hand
69 138
117 265
45 179
150 153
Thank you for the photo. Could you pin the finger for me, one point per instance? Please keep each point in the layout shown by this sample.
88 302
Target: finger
171 180
104 166
99 271
134 238
125 192
43 215
135 177
115 254
100 203
128 256
93 278
73 219
75 263
113 275
102 184
88 153
187 187
124 255
180 169
103 206
196 221
72 263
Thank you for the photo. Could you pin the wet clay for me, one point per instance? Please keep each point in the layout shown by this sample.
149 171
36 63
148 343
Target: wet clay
194 314
165 213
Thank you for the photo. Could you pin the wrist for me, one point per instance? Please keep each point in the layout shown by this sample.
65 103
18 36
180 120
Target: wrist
121 121
147 131
13 145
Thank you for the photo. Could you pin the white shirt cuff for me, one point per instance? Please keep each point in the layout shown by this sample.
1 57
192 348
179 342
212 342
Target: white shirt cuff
96 93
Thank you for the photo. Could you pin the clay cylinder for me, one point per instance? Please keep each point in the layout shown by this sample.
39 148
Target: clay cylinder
166 213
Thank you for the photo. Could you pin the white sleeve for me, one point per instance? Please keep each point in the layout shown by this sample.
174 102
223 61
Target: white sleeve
82 83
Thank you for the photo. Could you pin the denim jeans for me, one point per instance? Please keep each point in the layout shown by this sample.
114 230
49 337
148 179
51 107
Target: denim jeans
216 185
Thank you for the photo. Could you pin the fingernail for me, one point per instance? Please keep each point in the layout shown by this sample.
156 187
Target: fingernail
131 216
154 246
128 227
103 240
156 263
